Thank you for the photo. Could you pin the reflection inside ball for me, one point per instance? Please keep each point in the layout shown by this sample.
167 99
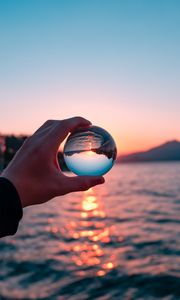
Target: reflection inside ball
90 151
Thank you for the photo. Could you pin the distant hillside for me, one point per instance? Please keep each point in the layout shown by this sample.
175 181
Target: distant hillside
169 151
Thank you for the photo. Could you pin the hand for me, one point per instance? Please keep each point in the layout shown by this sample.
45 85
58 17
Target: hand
35 171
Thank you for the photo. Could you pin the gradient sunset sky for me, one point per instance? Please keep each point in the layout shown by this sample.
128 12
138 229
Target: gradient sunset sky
115 62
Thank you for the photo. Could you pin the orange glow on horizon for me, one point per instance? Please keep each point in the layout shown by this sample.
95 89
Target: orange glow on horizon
127 142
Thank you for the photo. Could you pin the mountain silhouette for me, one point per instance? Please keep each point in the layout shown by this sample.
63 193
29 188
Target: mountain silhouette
169 151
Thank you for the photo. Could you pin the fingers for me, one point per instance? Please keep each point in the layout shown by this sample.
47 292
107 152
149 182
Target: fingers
45 127
53 132
82 183
68 125
73 123
63 126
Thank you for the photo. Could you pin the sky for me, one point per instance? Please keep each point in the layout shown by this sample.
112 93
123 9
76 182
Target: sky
114 62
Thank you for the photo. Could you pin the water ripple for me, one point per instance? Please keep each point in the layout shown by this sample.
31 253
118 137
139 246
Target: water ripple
117 241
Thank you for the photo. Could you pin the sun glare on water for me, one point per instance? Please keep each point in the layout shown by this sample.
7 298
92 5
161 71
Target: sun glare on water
89 234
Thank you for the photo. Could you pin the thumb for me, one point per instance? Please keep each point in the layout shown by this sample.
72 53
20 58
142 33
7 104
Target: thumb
83 183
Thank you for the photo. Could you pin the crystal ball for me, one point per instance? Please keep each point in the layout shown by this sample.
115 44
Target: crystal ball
90 151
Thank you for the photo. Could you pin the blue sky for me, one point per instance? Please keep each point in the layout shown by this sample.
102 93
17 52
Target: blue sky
114 62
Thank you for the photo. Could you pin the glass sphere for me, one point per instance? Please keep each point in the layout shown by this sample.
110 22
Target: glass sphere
90 151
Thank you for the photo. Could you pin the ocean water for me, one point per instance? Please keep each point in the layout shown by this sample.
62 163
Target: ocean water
120 240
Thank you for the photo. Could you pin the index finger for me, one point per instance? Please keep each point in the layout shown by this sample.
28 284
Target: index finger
62 128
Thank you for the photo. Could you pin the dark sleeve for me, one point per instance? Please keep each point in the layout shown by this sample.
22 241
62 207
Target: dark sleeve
10 208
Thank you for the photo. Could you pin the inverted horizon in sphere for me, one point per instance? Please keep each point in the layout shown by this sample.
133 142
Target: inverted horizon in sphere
90 151
89 163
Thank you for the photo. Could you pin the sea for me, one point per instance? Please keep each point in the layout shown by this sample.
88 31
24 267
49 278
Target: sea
119 240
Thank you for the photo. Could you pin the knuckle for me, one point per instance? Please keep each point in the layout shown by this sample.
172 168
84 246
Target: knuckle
78 118
49 122
75 119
